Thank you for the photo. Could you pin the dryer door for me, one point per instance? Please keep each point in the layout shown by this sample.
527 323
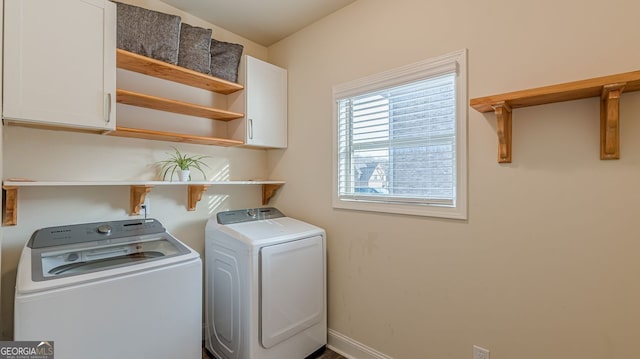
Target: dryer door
292 289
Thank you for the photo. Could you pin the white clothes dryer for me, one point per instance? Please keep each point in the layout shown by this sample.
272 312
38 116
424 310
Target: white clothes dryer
121 289
265 286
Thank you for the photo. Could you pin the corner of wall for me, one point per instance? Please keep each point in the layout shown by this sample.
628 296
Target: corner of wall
1 138
350 348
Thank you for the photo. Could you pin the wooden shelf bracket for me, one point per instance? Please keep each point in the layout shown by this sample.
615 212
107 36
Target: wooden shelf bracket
610 121
194 195
10 205
138 195
503 115
268 191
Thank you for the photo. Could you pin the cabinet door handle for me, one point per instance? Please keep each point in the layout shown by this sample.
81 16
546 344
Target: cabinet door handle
251 128
107 111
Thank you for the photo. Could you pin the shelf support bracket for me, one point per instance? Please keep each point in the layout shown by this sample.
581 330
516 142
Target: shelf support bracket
10 205
268 191
138 195
610 121
503 117
194 194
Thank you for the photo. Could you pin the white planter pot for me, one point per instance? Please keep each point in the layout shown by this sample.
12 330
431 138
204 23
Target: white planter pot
184 175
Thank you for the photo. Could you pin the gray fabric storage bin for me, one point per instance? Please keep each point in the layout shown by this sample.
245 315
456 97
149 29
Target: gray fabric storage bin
195 45
225 59
147 32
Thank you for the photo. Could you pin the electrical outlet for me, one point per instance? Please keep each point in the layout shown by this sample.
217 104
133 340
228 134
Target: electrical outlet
480 353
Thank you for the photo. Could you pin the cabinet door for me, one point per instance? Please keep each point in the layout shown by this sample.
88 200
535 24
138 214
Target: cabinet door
59 63
266 104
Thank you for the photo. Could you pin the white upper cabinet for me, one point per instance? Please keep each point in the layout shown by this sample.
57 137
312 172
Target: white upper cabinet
60 63
264 103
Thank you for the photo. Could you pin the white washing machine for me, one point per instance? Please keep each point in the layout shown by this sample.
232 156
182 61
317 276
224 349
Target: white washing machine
122 289
265 286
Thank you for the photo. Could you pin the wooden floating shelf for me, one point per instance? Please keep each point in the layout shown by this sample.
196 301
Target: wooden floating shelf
159 69
172 137
138 192
163 104
156 68
608 88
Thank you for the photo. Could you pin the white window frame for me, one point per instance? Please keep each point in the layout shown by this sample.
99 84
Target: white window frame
455 61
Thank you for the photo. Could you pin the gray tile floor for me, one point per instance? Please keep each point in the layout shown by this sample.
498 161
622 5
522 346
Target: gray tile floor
328 354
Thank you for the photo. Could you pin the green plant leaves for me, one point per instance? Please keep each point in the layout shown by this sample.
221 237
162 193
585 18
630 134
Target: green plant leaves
179 161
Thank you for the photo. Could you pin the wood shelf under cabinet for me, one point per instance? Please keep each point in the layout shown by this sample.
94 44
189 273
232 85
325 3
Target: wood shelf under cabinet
138 192
174 106
608 88
160 69
172 137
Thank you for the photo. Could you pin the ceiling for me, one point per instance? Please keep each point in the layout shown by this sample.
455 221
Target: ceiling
262 21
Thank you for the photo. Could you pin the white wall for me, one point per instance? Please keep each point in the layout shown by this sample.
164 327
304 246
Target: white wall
547 264
56 155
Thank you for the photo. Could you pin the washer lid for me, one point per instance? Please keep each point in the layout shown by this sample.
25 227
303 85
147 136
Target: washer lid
92 247
270 231
66 261
93 232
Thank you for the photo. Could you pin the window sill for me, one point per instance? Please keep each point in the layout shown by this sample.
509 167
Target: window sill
451 212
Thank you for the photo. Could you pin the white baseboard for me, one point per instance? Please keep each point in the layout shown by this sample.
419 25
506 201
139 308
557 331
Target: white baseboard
350 348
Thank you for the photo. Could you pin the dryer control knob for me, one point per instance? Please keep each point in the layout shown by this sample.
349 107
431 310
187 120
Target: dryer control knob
104 229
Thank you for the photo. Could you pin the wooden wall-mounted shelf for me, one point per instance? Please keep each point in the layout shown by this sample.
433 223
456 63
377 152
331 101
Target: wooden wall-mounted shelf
608 88
172 137
168 105
160 69
138 192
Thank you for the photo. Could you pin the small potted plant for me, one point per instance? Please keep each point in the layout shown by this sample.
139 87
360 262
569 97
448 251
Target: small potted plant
182 164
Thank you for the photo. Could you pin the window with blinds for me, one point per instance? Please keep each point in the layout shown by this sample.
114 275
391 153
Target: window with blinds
398 140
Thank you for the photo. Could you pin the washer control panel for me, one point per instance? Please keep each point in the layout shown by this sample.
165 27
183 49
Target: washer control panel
91 232
248 215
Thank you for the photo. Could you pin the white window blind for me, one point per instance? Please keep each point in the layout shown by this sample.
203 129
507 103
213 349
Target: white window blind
398 143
